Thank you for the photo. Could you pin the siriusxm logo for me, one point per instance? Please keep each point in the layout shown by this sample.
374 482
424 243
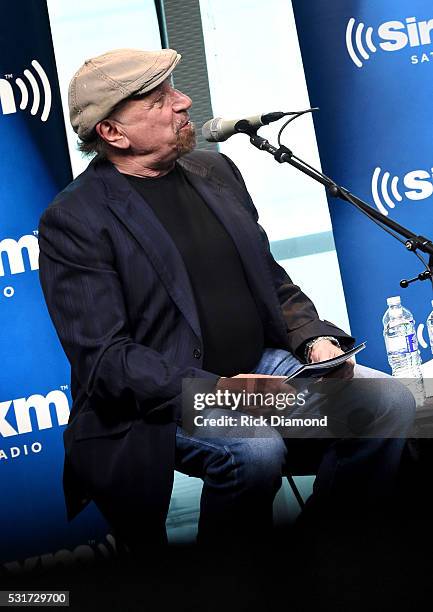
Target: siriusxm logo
82 555
12 250
29 91
387 190
389 36
15 415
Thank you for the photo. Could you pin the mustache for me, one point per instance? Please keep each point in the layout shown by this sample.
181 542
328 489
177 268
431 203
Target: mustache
182 125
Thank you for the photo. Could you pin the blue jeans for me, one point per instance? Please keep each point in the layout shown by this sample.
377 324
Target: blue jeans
241 476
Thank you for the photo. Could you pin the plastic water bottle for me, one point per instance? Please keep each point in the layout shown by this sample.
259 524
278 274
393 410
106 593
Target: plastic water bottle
430 328
402 347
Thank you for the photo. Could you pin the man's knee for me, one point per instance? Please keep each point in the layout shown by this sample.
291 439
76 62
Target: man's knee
400 403
253 463
392 402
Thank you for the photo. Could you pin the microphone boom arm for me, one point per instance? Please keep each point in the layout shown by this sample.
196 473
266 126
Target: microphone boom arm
412 242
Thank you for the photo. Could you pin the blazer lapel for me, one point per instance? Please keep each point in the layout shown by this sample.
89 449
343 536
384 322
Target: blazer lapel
135 214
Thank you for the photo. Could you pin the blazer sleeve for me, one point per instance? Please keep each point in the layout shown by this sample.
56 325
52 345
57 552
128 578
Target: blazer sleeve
300 315
85 301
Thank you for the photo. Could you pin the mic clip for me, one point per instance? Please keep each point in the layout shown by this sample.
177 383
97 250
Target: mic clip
243 126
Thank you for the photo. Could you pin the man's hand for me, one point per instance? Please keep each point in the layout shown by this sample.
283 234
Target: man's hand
255 383
324 349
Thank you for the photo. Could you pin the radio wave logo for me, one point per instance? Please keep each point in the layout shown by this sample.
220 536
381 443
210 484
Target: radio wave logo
35 94
390 36
385 188
357 40
388 190
420 336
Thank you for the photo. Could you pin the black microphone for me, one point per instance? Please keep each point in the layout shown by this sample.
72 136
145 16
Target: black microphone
219 129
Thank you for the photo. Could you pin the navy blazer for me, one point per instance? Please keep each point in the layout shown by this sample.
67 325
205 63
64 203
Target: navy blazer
120 298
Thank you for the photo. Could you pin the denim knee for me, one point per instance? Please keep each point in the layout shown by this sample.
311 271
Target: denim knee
394 405
254 463
400 404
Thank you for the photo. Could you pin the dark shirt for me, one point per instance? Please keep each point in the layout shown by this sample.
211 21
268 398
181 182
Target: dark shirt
232 331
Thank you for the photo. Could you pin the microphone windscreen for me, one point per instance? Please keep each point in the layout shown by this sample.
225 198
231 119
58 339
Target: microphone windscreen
210 130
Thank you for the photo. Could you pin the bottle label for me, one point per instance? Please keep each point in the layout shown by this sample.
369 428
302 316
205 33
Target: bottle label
402 344
412 343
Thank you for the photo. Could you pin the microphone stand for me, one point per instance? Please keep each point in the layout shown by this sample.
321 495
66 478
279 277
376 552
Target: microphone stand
413 242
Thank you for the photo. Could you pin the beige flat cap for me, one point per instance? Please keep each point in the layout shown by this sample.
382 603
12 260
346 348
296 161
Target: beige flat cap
104 81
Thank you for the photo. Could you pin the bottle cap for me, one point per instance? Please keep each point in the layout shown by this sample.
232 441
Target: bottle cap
394 301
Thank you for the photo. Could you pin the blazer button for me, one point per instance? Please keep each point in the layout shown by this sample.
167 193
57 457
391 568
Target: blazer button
196 353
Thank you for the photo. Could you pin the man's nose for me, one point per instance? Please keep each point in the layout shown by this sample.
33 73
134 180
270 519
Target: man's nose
181 101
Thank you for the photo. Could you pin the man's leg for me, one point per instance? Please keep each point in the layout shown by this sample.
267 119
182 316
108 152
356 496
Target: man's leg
242 474
352 527
356 473
241 477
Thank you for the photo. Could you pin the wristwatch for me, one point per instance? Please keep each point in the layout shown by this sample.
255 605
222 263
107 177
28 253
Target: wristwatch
312 342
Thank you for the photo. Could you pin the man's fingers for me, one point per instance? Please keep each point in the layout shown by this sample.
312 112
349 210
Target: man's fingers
263 384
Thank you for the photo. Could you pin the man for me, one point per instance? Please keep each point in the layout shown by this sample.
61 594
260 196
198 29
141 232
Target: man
154 270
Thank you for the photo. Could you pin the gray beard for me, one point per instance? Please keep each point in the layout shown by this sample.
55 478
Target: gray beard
186 140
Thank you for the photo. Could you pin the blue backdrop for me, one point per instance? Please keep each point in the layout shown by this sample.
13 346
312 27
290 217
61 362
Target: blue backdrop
369 67
34 374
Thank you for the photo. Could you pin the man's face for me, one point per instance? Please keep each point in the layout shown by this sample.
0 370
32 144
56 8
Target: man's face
158 124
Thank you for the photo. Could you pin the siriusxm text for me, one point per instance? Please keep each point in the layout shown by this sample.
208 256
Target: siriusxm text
23 415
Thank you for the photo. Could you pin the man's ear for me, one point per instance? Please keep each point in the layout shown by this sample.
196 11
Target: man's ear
110 131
